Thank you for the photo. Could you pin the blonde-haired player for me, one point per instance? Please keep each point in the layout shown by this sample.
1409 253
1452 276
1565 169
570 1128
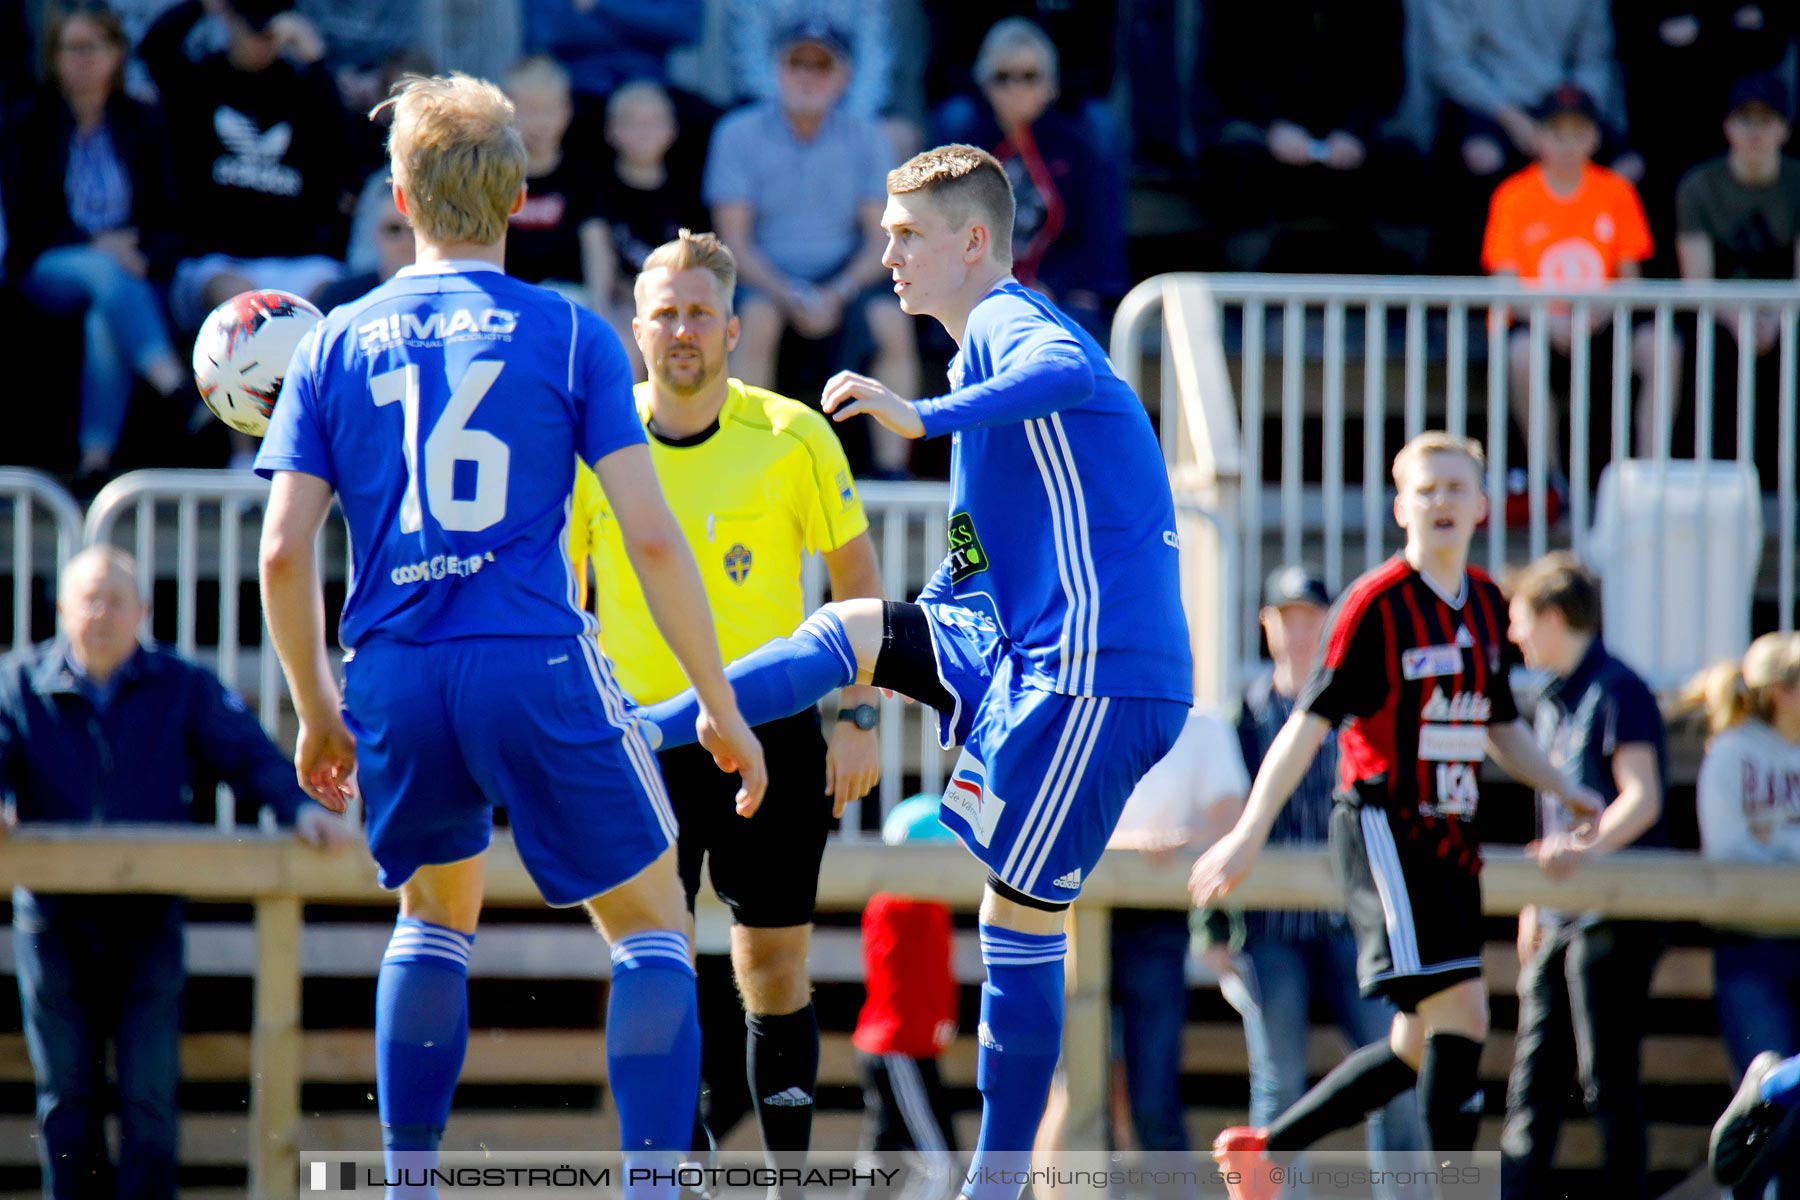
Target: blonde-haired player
1415 673
447 410
757 481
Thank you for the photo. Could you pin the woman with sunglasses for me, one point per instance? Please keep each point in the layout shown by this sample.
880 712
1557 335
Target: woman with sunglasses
1063 239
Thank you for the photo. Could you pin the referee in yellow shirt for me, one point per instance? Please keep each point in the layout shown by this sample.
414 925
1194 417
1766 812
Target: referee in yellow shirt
756 480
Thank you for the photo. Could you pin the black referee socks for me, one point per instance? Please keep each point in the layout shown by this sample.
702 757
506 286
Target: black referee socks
782 1057
1450 1091
1357 1086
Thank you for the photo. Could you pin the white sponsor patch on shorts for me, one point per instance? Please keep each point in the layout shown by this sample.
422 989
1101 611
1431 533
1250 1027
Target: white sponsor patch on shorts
968 795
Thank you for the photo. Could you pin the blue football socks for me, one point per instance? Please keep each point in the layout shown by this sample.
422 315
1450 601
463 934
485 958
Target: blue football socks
421 1034
1021 1037
777 679
653 1055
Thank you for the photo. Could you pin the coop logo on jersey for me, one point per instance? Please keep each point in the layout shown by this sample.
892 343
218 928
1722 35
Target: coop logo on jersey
436 328
966 555
969 797
737 562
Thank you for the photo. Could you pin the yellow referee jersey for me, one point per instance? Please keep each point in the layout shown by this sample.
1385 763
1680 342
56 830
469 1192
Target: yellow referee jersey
768 486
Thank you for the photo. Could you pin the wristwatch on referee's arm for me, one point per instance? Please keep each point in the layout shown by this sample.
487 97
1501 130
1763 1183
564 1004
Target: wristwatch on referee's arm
863 716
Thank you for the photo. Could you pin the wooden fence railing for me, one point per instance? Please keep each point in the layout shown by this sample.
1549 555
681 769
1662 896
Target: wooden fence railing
277 875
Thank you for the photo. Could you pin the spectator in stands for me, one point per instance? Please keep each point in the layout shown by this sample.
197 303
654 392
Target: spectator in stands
259 133
1567 222
558 238
98 727
1292 958
797 186
867 26
261 174
607 43
91 223
908 1019
1584 980
1491 61
376 194
1065 242
1749 807
1708 45
394 246
1304 88
1738 217
1086 34
647 196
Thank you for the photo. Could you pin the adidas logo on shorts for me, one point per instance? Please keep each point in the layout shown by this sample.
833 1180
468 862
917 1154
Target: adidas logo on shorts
1072 880
986 1037
791 1098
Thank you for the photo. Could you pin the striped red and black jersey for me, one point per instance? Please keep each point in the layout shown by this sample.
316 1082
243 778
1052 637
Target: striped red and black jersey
1414 678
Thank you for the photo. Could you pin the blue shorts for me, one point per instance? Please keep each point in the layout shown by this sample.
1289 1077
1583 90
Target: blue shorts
1043 777
448 730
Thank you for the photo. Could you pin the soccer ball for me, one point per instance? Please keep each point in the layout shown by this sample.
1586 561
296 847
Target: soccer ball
243 351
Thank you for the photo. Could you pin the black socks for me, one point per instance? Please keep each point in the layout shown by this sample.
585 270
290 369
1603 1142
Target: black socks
1361 1083
782 1055
1450 1091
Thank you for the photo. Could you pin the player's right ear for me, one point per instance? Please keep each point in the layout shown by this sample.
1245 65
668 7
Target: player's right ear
978 244
518 202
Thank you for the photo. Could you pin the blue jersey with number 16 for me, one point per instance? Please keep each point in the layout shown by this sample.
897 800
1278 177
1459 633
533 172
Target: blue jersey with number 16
447 408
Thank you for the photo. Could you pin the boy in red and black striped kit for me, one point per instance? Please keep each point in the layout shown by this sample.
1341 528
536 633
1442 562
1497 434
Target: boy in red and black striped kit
1414 670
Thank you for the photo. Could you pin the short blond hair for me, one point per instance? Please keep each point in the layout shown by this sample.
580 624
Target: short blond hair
691 251
967 184
1436 441
455 151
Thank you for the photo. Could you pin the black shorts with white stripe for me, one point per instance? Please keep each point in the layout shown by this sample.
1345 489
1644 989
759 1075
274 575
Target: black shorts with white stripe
1416 912
906 1104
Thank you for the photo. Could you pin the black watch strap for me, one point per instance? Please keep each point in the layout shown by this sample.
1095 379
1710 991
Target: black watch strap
863 716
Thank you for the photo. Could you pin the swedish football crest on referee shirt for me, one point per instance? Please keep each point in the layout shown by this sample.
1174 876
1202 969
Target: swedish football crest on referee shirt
737 562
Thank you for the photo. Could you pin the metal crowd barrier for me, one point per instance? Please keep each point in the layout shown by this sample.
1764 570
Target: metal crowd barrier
45 531
1429 352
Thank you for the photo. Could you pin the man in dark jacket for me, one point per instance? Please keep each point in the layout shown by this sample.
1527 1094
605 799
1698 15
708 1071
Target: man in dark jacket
98 727
260 140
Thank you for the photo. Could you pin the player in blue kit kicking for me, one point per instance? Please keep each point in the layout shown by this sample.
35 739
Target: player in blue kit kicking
446 409
1051 640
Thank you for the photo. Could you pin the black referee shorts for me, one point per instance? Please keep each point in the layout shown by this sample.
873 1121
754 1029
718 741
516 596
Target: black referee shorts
1416 914
765 868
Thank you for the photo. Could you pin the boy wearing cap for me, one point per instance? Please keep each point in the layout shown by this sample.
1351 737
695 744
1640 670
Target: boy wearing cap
1292 956
1566 222
796 186
1737 217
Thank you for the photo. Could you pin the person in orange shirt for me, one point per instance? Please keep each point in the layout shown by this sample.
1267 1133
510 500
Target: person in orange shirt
1566 222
